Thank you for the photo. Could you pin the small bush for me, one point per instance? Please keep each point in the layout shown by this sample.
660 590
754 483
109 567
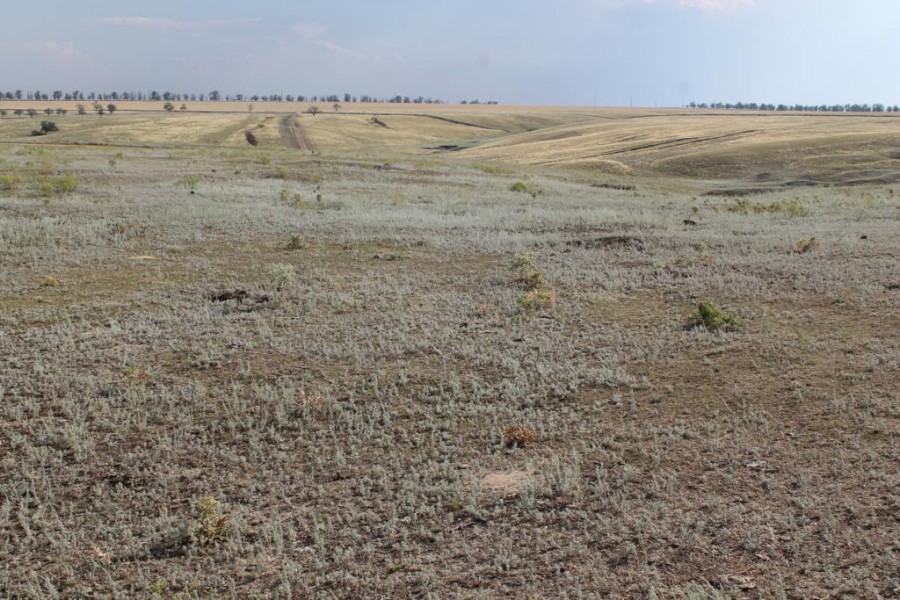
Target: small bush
805 245
711 318
518 436
792 207
535 300
10 181
522 187
527 274
57 186
297 243
189 182
212 522
294 200
281 275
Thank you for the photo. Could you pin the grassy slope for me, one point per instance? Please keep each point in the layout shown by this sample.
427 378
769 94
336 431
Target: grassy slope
735 146
742 148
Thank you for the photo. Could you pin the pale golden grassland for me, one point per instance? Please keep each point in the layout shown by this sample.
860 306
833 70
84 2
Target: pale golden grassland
757 148
714 146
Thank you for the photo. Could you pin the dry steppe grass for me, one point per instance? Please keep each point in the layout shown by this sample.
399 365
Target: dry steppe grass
242 372
744 152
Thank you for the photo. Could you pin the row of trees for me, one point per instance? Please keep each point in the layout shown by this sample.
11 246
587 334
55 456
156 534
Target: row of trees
81 109
213 96
833 108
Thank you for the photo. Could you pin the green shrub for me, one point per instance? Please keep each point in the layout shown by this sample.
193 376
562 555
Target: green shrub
10 181
792 207
57 186
522 187
297 243
527 273
189 182
712 318
294 200
281 275
537 299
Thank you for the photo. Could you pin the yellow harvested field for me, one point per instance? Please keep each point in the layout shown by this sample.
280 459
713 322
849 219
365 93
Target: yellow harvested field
413 133
709 145
693 144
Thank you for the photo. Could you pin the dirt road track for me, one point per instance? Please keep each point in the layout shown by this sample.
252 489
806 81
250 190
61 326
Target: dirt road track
292 133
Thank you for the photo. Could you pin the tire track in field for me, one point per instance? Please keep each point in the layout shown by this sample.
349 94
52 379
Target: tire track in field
292 133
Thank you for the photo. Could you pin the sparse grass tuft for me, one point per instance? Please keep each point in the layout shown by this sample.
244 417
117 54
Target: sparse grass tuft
281 275
522 187
189 182
10 181
57 186
535 300
294 200
805 245
792 207
296 243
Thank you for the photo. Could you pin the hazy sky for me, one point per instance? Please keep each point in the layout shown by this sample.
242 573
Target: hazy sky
651 52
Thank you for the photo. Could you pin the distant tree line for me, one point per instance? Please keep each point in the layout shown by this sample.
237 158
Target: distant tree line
832 108
213 96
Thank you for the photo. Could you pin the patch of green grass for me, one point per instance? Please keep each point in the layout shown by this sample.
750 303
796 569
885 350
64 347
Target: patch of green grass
189 182
491 168
10 181
713 318
535 300
792 207
57 186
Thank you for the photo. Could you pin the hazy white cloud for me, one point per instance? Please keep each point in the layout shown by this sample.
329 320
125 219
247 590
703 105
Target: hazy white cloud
169 24
716 6
314 34
59 54
307 30
341 51
709 6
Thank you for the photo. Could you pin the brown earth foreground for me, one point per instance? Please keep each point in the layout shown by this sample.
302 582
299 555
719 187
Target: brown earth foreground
450 358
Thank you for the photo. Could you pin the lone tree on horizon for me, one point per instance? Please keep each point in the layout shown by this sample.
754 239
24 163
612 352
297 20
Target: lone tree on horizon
168 107
111 108
313 110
